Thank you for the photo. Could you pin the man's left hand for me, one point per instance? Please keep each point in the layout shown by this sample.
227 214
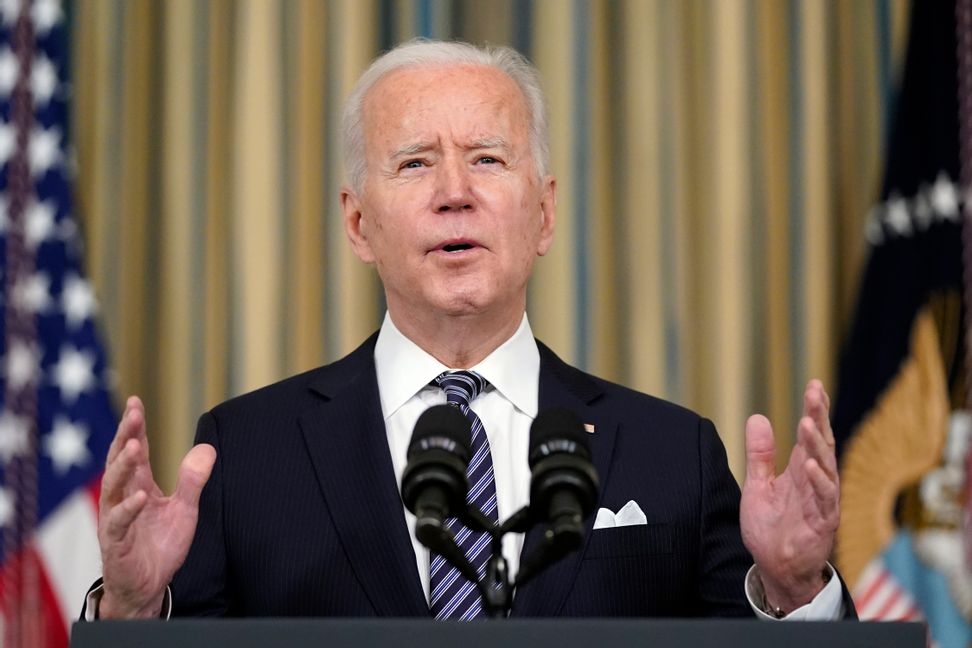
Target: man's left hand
789 520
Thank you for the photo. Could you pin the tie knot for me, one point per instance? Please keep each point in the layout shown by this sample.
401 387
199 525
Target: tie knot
461 387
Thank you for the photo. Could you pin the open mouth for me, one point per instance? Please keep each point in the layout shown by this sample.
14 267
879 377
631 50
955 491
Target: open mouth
456 247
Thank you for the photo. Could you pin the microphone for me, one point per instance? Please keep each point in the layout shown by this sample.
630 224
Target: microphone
564 484
434 483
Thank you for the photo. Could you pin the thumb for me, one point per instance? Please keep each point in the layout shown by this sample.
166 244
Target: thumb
194 473
760 448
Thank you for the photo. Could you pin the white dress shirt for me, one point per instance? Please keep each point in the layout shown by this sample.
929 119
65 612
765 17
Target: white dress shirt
507 409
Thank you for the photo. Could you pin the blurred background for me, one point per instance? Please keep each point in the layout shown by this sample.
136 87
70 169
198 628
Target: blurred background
716 162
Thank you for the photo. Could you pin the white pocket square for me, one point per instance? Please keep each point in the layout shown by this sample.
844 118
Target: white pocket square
628 515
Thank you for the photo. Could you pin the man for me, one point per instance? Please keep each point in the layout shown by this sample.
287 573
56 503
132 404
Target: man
451 200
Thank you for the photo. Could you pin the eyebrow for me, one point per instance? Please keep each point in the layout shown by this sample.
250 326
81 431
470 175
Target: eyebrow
411 149
421 147
488 142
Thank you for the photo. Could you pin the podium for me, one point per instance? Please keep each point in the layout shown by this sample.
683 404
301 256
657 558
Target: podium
513 633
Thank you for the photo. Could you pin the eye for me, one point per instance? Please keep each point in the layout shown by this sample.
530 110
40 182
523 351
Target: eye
412 164
487 159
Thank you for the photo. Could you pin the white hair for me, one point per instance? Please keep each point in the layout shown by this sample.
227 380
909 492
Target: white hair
422 52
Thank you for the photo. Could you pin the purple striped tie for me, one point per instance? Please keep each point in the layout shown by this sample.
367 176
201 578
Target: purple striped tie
451 595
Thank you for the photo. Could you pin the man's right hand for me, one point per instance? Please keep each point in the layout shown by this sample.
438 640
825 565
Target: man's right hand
144 535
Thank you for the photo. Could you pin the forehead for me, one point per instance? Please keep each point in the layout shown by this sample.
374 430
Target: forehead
466 100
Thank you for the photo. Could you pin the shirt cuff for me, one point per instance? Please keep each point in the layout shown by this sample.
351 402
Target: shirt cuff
94 601
827 605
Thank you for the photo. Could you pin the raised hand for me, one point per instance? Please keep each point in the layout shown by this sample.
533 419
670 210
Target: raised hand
144 535
789 520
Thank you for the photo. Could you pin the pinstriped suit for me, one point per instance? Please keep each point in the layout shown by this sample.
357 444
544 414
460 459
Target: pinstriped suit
302 515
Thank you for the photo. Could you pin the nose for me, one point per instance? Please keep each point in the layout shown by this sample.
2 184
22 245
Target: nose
453 189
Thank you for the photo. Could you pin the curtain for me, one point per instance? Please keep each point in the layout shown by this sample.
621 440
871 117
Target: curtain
716 160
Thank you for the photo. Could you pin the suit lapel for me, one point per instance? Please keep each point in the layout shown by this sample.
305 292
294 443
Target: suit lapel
564 386
346 438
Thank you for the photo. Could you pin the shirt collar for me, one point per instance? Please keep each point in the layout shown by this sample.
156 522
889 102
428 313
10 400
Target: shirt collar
404 368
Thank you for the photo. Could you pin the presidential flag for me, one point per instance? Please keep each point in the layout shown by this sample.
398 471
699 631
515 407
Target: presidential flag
56 417
901 415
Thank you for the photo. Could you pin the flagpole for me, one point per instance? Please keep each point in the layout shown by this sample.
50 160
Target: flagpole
963 56
21 585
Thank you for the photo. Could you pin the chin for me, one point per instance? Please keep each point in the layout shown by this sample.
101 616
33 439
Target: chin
463 302
462 308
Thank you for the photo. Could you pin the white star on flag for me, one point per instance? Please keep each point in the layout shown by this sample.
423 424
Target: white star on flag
43 80
14 438
23 365
897 215
6 507
33 293
67 445
74 373
39 223
44 149
8 71
944 197
46 14
78 301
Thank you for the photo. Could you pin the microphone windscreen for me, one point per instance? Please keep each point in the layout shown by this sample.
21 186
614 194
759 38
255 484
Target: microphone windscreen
442 427
558 431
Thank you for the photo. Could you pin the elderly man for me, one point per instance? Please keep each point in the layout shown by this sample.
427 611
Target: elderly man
295 486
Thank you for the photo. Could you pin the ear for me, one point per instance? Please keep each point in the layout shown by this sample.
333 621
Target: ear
548 214
356 225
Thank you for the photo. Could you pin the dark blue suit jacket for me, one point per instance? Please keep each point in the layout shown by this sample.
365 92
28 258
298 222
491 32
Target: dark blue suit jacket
302 515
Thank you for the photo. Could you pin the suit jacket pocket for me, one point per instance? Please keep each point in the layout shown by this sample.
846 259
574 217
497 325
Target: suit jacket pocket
637 540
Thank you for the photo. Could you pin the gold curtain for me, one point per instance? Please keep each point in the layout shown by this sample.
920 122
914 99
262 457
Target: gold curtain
715 159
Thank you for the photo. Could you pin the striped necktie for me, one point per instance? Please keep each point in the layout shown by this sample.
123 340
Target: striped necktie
451 595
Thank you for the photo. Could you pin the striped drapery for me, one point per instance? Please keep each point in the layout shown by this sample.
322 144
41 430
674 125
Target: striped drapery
715 163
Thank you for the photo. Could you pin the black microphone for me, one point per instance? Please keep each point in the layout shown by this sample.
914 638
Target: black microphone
434 483
564 484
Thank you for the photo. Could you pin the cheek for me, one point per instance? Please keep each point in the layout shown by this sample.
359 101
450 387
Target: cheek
528 233
393 242
523 246
396 214
377 224
533 216
380 229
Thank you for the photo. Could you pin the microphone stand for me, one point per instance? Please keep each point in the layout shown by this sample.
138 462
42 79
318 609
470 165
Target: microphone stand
497 586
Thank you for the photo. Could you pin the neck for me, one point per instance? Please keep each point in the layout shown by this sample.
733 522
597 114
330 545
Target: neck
457 341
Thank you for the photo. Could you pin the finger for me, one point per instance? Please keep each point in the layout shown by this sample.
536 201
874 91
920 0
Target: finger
125 430
811 438
194 472
118 475
826 490
813 394
131 426
120 517
760 448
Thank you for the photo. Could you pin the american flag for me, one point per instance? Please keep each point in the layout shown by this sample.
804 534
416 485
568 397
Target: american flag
56 417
